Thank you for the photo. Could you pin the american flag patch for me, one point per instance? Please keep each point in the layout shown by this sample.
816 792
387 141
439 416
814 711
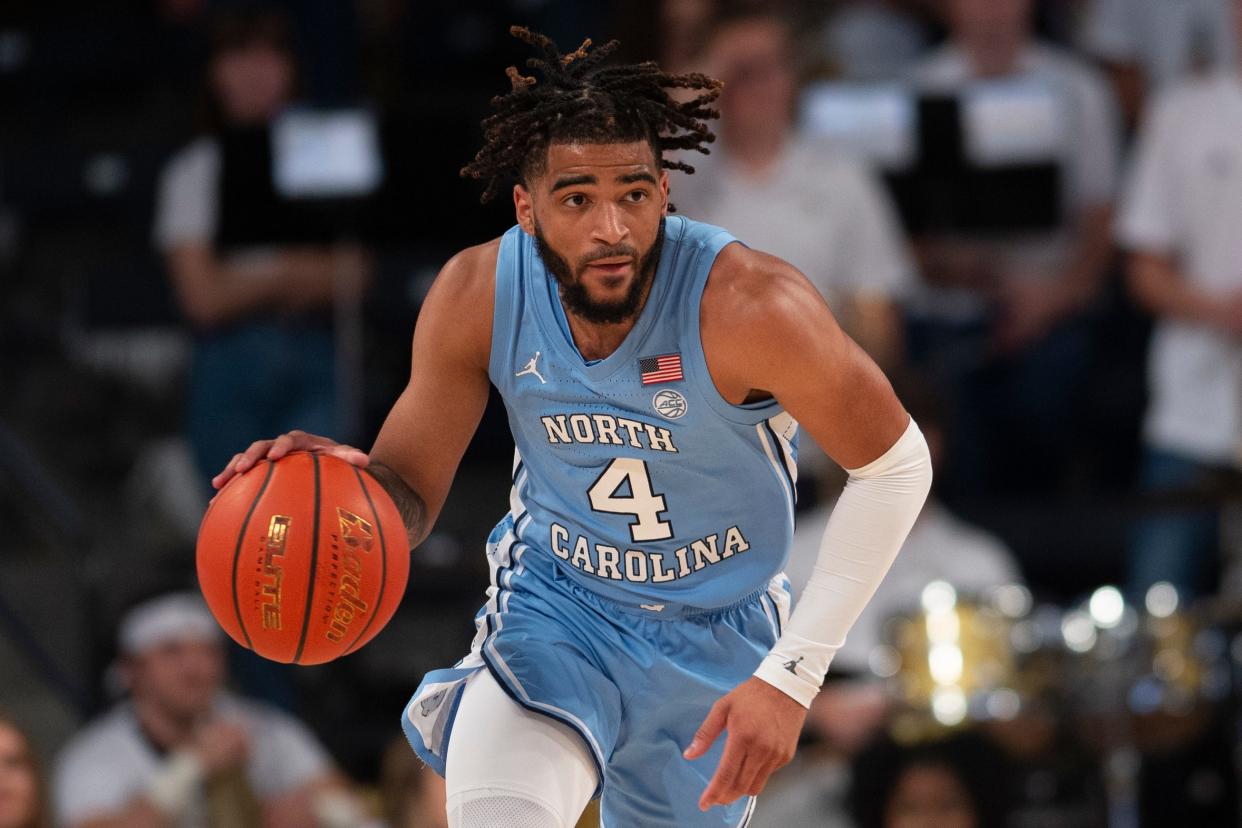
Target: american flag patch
666 368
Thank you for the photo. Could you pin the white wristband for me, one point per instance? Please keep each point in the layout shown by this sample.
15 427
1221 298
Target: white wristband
864 533
174 785
782 673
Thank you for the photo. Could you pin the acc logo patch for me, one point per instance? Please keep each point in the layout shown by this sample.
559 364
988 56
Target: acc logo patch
669 404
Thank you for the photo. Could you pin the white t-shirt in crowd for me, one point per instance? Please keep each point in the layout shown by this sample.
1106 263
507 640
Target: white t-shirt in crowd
940 547
1091 140
187 204
1166 38
866 41
1184 197
1086 143
818 209
110 762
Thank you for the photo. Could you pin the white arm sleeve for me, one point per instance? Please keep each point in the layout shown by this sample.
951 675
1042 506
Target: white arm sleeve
866 530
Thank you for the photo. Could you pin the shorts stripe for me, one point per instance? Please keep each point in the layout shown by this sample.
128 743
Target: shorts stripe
497 606
769 609
750 812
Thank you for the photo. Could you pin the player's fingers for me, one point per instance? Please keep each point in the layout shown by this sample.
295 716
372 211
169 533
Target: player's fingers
748 778
724 781
779 757
353 456
283 444
753 786
225 473
708 731
256 451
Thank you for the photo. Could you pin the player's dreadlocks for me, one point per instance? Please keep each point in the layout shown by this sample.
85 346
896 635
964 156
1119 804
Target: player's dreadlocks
581 100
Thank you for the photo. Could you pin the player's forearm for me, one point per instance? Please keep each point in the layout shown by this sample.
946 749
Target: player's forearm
409 504
863 536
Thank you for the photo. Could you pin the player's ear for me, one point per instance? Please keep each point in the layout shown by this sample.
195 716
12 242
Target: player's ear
524 207
664 192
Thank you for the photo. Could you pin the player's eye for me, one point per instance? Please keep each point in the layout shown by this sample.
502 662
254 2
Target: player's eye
575 200
636 196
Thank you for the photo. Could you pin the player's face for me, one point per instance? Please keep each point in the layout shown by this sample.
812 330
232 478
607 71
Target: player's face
181 677
596 212
18 787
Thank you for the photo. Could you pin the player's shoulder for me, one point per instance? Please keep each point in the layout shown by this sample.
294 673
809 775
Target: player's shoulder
458 309
472 271
748 284
755 308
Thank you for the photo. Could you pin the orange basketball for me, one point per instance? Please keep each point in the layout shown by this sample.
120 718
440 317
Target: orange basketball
304 559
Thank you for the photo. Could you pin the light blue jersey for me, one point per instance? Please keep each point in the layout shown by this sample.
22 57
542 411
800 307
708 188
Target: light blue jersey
632 471
636 579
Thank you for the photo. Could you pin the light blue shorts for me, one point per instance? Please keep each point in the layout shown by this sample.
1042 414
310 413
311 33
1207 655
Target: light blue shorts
634 683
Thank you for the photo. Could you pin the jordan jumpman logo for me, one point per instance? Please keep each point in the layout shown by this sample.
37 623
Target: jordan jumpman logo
531 369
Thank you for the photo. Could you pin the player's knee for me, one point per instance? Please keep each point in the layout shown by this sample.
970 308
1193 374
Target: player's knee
498 808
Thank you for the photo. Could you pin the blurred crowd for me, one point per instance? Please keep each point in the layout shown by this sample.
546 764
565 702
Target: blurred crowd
217 223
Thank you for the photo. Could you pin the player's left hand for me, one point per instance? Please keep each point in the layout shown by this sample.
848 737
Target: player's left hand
763 725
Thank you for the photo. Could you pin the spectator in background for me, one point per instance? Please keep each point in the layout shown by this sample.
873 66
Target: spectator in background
264 351
783 193
874 40
670 32
22 803
1149 44
853 707
681 24
182 752
1180 221
1001 322
959 782
940 547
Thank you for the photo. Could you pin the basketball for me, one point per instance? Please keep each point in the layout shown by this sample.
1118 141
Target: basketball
303 559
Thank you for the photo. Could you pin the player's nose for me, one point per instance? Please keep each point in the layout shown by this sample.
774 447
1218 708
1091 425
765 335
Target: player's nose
610 228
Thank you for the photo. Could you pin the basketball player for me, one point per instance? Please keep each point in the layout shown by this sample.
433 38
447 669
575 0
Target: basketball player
655 375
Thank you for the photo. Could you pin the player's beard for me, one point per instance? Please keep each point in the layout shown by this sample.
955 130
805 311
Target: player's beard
574 295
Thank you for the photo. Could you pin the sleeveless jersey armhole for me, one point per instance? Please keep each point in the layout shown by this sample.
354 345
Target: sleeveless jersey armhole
507 307
750 413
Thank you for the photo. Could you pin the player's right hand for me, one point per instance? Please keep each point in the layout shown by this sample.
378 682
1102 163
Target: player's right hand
282 445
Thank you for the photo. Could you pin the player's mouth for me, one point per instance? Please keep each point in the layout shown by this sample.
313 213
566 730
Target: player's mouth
615 266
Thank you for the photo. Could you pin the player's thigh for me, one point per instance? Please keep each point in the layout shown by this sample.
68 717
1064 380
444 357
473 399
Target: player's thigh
510 768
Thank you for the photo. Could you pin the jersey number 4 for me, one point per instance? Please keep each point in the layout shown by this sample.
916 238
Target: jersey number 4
641 502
